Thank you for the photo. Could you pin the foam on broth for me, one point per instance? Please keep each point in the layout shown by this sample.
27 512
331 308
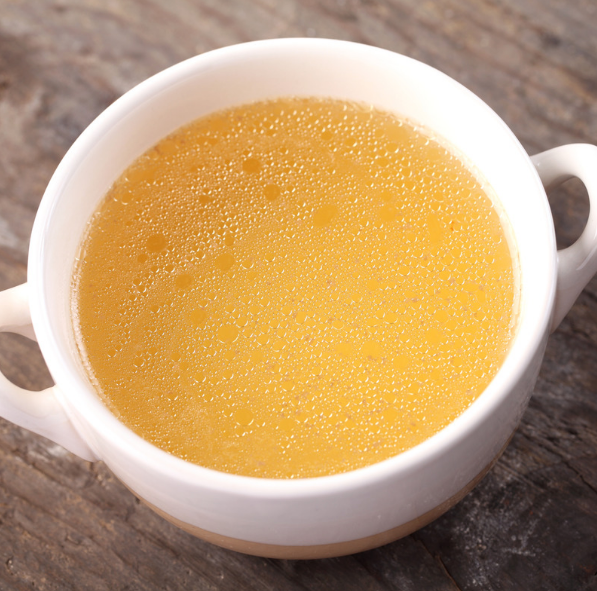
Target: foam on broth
294 288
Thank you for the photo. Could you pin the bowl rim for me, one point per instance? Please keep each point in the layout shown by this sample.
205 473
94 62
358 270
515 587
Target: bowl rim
87 404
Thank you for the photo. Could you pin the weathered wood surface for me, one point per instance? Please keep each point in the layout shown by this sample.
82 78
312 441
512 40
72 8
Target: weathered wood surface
531 524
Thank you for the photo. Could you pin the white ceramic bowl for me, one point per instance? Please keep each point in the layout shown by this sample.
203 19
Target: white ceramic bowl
321 516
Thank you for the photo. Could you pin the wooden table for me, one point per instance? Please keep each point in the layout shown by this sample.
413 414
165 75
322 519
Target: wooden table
531 523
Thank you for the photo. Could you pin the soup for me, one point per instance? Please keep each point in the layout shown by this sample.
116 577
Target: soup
294 288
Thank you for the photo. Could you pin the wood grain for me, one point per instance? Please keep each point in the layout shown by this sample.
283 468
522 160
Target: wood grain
532 522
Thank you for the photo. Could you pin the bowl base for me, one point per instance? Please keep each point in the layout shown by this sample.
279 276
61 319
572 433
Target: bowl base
328 550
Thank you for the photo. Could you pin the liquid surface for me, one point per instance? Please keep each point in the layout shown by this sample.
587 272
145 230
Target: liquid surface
294 288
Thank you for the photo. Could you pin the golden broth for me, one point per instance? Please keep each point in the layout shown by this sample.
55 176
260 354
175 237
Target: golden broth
294 288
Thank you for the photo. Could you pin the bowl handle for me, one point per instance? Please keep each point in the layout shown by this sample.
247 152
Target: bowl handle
40 412
578 263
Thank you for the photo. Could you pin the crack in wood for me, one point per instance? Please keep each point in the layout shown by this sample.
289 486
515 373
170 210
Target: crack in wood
439 561
445 569
576 333
562 461
587 293
580 475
